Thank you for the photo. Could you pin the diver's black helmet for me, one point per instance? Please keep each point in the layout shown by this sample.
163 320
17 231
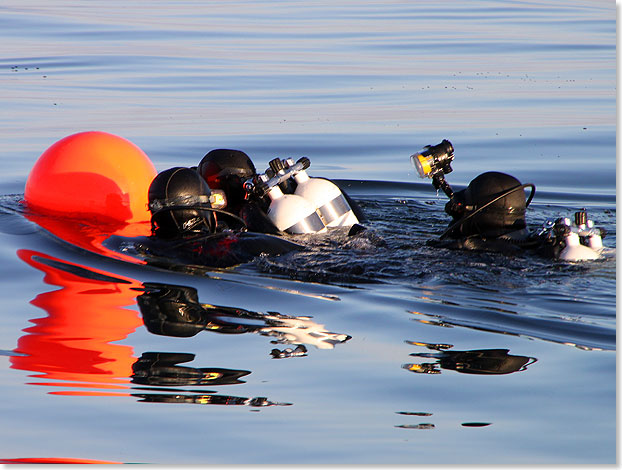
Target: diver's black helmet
176 200
502 216
227 170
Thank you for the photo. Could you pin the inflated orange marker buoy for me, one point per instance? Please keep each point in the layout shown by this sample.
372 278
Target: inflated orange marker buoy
93 176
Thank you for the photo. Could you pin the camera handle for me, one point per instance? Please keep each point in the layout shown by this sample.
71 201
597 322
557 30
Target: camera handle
439 182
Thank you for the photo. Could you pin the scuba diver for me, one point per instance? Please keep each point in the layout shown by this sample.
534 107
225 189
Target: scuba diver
284 199
489 214
227 170
184 224
222 212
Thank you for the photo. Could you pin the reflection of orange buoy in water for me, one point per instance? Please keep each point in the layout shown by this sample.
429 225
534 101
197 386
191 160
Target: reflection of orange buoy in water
75 342
92 179
42 460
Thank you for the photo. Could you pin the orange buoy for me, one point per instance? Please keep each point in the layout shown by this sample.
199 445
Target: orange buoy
93 176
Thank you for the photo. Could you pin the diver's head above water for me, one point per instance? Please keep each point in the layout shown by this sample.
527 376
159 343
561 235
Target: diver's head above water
493 204
227 170
180 202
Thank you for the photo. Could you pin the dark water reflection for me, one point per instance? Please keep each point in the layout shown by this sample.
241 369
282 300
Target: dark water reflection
175 311
477 361
164 369
161 369
74 351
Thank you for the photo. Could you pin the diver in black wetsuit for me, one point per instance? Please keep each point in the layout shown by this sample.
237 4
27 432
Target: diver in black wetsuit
489 215
500 226
228 170
184 223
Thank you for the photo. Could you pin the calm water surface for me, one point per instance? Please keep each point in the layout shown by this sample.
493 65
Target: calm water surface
413 355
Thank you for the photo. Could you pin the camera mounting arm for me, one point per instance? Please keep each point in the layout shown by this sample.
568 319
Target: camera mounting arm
439 182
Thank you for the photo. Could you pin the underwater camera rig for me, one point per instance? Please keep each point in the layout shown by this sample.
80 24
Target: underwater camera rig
434 161
491 205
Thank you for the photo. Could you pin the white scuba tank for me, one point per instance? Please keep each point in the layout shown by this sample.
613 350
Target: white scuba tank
575 251
327 199
585 232
593 237
293 214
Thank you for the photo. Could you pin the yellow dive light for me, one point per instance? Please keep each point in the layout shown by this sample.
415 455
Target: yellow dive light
433 159
421 164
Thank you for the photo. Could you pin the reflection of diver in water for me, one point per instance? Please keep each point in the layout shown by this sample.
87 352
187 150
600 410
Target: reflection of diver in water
163 369
489 215
206 399
477 361
160 369
176 311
